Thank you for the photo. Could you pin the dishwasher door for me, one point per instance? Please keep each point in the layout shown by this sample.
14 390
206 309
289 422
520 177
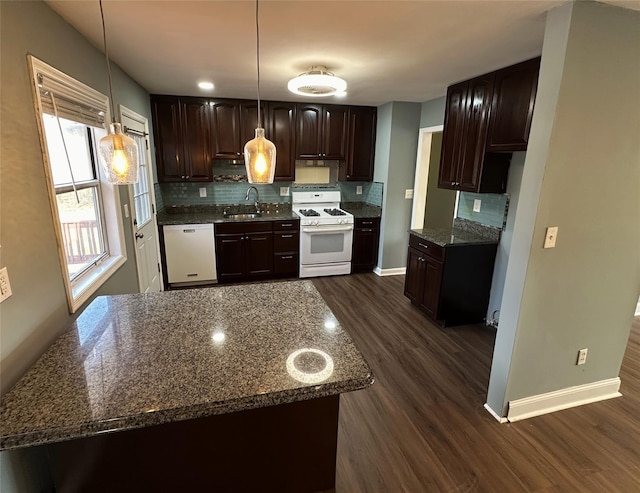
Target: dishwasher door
190 253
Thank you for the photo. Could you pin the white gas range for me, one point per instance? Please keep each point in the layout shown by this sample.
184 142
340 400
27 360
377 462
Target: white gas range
326 233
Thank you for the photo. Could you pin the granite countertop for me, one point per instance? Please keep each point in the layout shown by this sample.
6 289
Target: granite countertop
362 209
462 232
137 360
215 214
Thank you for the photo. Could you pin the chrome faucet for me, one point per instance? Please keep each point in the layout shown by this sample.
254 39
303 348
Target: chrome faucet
257 202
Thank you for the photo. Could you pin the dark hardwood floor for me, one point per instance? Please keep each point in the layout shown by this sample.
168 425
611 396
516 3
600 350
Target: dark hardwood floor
422 427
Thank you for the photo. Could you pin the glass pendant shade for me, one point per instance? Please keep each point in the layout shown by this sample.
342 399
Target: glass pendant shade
260 158
119 157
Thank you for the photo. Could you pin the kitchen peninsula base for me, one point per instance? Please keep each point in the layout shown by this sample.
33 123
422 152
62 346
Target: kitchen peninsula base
285 448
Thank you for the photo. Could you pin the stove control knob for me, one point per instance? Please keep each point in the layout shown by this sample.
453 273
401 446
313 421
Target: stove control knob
315 222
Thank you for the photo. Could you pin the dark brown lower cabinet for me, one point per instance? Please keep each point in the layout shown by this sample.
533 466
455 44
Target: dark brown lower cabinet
244 251
450 284
366 236
248 251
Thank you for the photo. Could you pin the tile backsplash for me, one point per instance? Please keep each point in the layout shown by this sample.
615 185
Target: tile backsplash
493 208
371 192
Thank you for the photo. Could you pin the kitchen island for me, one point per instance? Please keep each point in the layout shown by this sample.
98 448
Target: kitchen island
230 388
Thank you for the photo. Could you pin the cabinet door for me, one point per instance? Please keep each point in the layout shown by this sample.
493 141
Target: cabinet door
259 254
514 96
196 138
309 134
362 141
167 136
281 130
364 255
454 123
249 121
335 132
475 133
230 257
430 292
225 129
413 282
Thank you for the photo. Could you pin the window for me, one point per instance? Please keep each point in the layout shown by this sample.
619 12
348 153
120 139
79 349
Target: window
85 208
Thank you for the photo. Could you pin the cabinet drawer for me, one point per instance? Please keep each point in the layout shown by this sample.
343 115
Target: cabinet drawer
285 242
367 222
286 263
427 247
292 225
243 227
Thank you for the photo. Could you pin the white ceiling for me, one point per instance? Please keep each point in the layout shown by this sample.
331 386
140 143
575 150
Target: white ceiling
386 50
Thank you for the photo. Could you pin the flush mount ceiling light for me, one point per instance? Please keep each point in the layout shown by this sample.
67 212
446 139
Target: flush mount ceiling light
118 152
317 82
259 153
207 86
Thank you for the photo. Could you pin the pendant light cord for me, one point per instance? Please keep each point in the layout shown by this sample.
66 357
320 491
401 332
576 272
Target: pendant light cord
106 54
257 62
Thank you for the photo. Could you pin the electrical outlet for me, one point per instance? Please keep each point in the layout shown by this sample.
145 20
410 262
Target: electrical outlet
408 194
284 191
476 205
550 237
582 356
203 191
359 190
5 286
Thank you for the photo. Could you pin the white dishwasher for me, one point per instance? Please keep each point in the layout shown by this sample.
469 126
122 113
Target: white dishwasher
190 253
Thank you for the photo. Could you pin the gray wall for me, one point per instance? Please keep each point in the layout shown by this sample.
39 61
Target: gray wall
37 312
582 174
432 112
440 204
395 162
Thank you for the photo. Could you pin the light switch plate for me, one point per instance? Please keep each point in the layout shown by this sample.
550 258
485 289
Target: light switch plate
203 192
476 205
550 237
359 190
5 286
408 193
126 210
284 191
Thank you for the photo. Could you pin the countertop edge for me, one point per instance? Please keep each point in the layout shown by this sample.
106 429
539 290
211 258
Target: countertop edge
87 430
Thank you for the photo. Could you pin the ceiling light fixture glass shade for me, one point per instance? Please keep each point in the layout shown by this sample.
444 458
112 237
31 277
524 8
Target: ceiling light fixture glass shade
260 158
119 154
259 153
317 82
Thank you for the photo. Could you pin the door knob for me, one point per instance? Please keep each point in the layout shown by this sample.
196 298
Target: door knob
139 235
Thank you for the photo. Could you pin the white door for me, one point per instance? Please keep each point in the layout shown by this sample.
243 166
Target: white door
143 213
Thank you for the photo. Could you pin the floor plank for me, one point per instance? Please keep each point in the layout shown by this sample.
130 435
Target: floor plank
422 427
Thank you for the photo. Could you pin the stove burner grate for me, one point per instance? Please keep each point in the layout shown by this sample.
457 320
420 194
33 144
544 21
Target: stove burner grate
335 212
308 212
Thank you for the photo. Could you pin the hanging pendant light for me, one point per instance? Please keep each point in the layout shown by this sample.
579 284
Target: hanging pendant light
118 152
259 153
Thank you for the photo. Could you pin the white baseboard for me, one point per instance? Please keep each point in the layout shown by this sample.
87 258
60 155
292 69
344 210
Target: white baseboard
498 418
557 400
398 271
637 314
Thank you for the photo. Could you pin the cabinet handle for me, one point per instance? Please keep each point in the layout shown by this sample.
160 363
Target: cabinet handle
286 225
188 230
192 275
183 177
188 177
287 236
287 257
367 222
367 230
423 245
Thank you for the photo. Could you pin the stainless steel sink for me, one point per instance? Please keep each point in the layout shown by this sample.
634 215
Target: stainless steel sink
245 215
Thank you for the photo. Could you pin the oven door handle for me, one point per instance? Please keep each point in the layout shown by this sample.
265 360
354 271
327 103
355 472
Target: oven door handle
329 229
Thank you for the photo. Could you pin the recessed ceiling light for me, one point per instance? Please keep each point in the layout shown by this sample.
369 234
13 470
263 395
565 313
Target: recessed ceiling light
207 86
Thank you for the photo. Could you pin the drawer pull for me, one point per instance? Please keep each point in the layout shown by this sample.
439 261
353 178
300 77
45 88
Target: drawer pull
423 245
286 225
188 230
287 257
192 275
287 236
367 230
367 222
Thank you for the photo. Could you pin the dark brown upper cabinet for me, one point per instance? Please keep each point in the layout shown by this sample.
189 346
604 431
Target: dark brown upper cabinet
322 131
280 128
226 129
485 119
181 132
361 144
514 96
